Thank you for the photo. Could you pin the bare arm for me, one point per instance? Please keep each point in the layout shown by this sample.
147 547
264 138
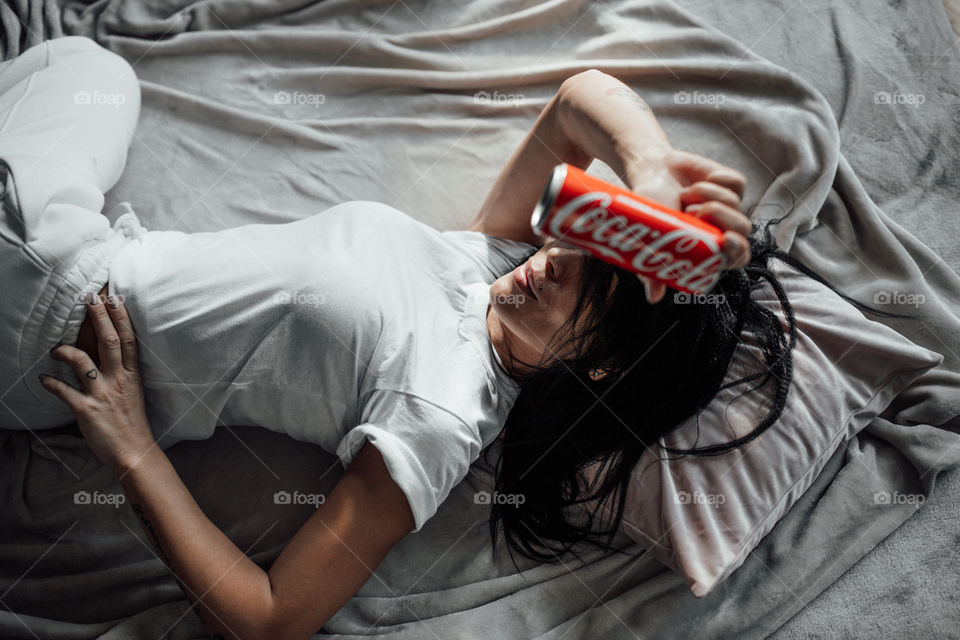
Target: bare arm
337 550
232 590
319 570
575 127
506 210
315 574
594 115
608 120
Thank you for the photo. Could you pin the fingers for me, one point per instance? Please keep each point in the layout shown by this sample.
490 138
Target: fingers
700 168
124 328
70 396
736 227
108 342
721 215
80 362
736 249
729 178
700 192
654 290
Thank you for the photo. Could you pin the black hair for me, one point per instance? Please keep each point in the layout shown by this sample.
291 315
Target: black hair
666 362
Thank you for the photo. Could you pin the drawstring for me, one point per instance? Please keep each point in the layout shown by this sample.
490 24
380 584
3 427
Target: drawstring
127 222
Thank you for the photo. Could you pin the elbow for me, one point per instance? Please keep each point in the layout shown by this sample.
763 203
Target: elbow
581 88
582 77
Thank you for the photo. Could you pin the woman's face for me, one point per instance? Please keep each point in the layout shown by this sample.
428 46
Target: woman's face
534 300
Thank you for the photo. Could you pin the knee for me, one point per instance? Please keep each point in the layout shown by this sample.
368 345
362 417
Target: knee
105 70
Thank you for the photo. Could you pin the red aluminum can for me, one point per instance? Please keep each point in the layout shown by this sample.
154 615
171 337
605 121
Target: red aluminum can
629 231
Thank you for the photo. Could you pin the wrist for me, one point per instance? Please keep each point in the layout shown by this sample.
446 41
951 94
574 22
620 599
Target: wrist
145 453
645 165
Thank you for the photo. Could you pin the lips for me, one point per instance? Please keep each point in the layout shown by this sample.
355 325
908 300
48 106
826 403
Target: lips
530 280
524 279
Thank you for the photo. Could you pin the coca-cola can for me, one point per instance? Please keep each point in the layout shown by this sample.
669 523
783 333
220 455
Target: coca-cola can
629 231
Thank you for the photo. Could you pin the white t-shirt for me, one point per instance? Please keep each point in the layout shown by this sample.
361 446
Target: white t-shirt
358 323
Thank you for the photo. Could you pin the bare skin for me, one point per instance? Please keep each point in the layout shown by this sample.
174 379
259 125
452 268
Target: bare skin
521 323
87 338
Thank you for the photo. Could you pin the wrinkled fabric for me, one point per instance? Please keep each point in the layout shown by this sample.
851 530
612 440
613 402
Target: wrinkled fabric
422 105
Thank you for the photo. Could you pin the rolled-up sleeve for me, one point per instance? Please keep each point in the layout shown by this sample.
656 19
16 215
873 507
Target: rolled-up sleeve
427 449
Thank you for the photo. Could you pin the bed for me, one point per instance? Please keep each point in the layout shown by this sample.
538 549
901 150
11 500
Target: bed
842 114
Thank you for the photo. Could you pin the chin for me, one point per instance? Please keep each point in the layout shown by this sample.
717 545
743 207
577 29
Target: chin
514 308
505 296
501 286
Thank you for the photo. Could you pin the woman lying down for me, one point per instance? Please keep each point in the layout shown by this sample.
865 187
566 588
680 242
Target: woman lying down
404 350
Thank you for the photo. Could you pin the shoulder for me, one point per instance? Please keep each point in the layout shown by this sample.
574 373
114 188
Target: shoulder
492 254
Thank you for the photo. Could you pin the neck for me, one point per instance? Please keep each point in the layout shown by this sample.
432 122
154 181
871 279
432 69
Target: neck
504 341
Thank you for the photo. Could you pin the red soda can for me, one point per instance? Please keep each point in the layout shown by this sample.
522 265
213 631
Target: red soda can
629 231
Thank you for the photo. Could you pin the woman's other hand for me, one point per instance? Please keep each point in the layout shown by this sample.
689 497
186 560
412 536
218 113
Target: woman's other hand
110 409
701 187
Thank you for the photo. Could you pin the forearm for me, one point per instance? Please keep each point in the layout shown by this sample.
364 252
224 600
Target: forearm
506 210
607 120
232 594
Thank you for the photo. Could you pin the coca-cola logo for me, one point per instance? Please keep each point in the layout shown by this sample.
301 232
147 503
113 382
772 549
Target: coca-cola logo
587 221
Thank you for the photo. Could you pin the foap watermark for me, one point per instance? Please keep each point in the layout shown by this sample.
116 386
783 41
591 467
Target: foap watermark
685 497
98 98
299 97
112 499
885 497
90 296
285 497
899 297
300 297
515 99
516 299
682 297
887 97
485 497
698 97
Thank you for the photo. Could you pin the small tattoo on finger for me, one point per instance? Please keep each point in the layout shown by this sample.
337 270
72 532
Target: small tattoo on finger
92 374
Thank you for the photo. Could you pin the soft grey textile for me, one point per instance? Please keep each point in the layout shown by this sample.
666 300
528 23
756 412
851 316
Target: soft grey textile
702 515
399 123
27 22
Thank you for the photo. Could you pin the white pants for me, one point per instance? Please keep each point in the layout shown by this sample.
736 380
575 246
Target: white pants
68 109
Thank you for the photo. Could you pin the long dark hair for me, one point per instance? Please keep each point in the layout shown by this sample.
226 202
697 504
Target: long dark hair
666 362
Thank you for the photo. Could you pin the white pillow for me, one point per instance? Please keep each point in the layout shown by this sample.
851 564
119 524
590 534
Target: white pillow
702 515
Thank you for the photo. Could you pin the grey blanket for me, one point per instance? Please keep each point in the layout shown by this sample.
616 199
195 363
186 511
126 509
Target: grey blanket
271 110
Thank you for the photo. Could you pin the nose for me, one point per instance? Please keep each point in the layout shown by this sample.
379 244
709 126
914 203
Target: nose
561 260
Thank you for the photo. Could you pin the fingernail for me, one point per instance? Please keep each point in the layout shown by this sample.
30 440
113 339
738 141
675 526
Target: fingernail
59 344
113 302
42 376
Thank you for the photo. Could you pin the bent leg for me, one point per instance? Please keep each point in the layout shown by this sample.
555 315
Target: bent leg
68 110
64 131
